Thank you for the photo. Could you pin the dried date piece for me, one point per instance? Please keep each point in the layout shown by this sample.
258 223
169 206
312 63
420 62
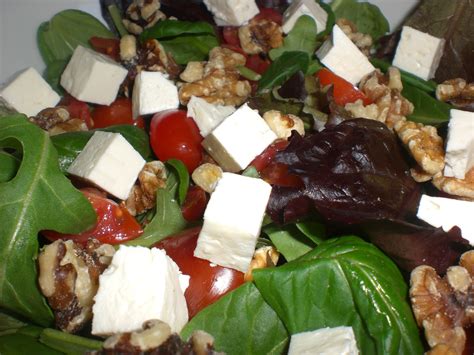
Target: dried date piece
69 278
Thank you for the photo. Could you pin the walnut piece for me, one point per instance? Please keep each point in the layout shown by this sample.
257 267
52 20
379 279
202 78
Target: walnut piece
220 84
282 125
363 41
69 278
206 176
444 306
128 48
259 36
143 194
57 120
142 14
263 257
458 93
456 187
194 71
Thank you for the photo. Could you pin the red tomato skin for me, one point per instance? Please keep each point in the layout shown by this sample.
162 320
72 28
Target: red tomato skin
115 224
344 91
267 156
118 112
231 35
175 136
257 64
77 109
107 46
277 174
194 204
269 14
207 283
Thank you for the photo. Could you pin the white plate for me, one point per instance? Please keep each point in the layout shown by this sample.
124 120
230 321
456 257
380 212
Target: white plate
19 20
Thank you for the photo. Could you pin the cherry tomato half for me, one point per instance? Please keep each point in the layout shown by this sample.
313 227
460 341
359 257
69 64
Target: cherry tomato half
344 91
269 14
77 109
194 204
118 112
231 35
175 136
267 156
114 223
277 174
107 46
207 283
257 63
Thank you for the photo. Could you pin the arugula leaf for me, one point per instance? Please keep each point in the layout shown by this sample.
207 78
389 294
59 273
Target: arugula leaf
282 68
241 322
70 144
24 340
183 178
289 241
367 17
168 218
185 40
427 110
302 37
315 231
68 343
39 197
8 166
344 282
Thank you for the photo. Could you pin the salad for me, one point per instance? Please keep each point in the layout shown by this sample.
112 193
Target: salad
240 177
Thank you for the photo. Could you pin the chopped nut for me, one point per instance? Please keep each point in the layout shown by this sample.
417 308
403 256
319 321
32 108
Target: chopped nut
357 109
450 89
283 125
194 71
424 144
142 14
220 84
394 79
419 175
128 48
57 120
263 257
206 176
69 278
443 306
363 41
441 349
259 36
456 187
143 194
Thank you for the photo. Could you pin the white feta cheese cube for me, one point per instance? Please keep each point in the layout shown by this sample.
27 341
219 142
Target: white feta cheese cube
29 93
110 162
343 57
459 158
232 221
232 12
92 77
207 116
153 92
239 139
304 7
140 284
418 53
326 341
447 213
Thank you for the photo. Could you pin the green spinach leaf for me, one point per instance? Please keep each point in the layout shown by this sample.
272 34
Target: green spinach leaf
24 340
8 166
344 282
186 41
183 178
302 37
427 110
367 17
289 241
39 197
241 322
282 68
70 144
58 38
315 231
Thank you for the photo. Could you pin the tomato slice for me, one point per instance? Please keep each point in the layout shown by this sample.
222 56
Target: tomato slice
344 91
77 109
267 156
173 135
194 204
207 283
114 223
231 35
277 174
269 14
257 63
107 46
118 112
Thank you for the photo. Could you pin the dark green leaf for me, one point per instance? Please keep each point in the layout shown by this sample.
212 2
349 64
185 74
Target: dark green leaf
241 323
9 324
313 230
70 144
168 220
428 110
367 17
8 166
344 282
183 178
329 23
302 37
407 78
190 48
289 241
266 101
24 341
282 68
39 197
52 74
173 28
68 343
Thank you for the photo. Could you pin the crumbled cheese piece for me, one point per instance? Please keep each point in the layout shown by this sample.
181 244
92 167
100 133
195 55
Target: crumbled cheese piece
207 116
299 8
232 12
326 341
